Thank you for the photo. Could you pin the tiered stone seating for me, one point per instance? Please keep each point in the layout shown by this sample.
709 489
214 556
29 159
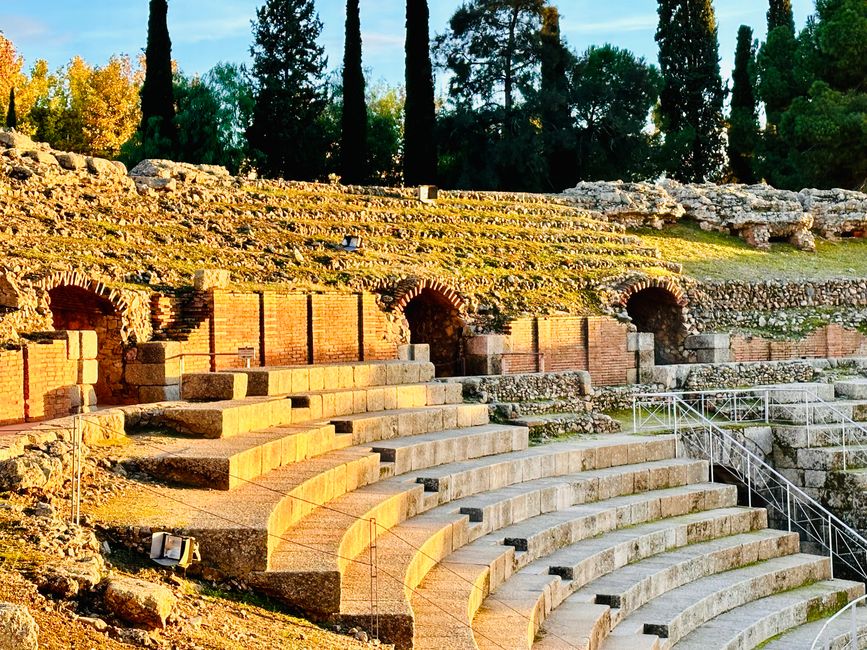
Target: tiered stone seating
480 540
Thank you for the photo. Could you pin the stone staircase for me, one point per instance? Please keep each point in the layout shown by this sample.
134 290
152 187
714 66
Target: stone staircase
608 541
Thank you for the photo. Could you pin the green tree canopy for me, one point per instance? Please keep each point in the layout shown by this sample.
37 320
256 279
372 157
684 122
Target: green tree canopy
288 64
691 101
743 128
157 131
353 148
420 156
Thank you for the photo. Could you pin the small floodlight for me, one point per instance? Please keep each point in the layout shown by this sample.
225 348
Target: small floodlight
174 550
351 243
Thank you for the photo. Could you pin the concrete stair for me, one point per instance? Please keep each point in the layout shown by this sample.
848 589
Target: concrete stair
387 425
820 412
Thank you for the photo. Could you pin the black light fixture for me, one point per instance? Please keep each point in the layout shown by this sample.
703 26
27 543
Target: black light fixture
351 243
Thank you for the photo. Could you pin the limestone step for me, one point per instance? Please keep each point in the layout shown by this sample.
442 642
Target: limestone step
442 447
855 388
799 436
335 539
678 612
387 425
797 392
585 559
229 418
301 379
829 459
524 601
327 404
412 548
578 626
783 614
226 463
838 632
820 412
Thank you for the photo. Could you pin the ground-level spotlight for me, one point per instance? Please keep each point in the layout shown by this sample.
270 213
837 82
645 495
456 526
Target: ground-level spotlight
174 550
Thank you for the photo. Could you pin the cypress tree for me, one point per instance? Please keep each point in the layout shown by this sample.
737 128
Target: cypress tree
158 132
743 122
557 132
353 143
691 102
287 133
780 15
11 117
420 157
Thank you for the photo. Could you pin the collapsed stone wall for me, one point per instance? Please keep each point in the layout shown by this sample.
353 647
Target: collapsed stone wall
759 214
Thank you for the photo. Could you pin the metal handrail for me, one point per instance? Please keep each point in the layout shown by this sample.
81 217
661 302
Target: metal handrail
698 434
853 630
849 427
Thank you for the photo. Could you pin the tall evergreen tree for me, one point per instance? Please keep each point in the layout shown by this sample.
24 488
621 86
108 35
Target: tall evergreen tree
780 15
692 97
157 131
557 132
288 65
11 117
743 127
353 142
420 157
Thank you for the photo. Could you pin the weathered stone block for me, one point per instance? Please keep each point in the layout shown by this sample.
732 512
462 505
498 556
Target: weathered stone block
707 342
205 279
88 371
414 352
158 351
18 630
715 355
89 345
153 394
214 386
153 374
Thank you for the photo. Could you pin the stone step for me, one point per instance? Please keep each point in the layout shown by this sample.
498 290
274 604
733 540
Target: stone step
229 418
327 404
578 626
414 547
286 380
226 463
799 436
678 612
633 586
524 600
830 459
855 388
601 550
826 595
387 425
820 412
798 392
439 448
334 539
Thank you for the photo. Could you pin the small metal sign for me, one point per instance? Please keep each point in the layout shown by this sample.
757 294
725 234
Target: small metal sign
246 355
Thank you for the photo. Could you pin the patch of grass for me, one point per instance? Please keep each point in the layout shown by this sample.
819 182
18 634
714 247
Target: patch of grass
719 256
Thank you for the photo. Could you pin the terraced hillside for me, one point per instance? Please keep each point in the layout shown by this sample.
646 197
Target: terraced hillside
515 252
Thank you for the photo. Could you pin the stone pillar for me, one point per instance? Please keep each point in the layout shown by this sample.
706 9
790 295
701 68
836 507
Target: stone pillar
710 348
156 371
644 346
485 354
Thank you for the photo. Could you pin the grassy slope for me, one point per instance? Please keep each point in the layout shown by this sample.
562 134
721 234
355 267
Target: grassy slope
717 256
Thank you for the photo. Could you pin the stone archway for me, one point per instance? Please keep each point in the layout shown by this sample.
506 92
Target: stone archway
435 315
78 308
658 307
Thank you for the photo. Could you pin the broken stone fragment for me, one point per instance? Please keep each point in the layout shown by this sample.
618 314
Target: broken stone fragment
139 602
18 630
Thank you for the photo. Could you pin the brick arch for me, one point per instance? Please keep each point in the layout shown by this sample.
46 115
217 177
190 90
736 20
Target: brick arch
76 279
436 316
409 289
665 284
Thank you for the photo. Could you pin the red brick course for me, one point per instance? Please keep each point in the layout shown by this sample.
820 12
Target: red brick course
830 341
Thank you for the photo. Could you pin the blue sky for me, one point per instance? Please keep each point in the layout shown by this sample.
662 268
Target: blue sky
207 31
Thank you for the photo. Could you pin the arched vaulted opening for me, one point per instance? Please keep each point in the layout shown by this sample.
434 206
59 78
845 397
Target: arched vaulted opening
659 311
436 321
78 308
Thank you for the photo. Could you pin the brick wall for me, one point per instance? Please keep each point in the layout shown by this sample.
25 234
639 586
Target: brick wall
571 343
283 328
11 386
47 378
829 341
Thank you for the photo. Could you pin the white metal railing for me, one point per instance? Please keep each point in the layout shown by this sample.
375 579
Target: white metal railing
754 405
829 637
699 436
